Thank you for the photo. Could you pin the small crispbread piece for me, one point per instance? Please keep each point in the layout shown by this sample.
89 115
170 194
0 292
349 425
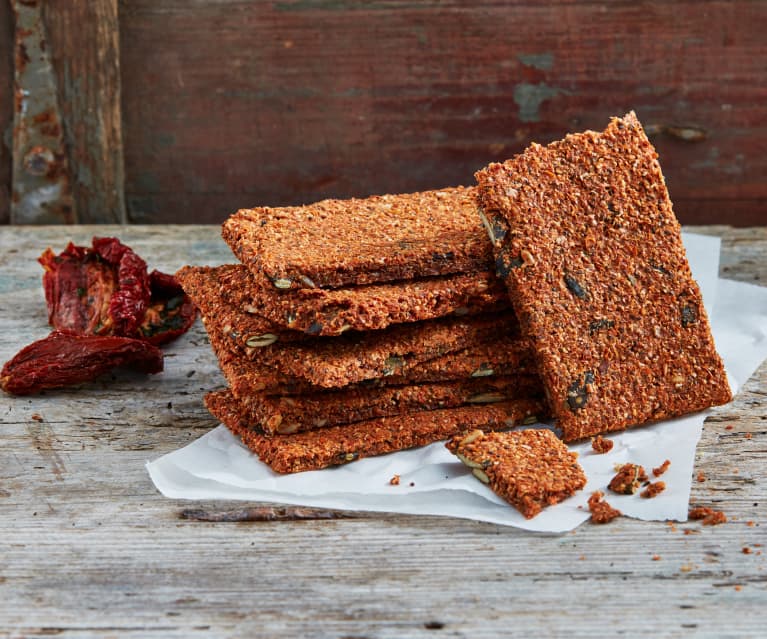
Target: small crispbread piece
336 445
298 413
585 237
531 469
383 238
330 312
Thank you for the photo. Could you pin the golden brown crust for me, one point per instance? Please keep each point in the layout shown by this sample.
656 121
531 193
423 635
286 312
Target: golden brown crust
499 357
339 361
587 242
298 413
244 330
330 312
395 237
531 469
601 511
336 445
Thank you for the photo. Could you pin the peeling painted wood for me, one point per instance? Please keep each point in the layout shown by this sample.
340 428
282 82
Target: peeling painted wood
41 191
85 48
89 549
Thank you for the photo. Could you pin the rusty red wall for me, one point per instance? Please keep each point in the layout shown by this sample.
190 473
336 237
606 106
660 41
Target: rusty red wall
230 103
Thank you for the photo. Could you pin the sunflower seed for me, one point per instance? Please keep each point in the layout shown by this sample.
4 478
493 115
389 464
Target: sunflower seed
481 475
472 436
468 462
392 364
486 398
282 282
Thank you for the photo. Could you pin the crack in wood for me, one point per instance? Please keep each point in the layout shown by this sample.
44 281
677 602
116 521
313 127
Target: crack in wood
264 513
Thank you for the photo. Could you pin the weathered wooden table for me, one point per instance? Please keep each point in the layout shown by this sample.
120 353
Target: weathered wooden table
89 548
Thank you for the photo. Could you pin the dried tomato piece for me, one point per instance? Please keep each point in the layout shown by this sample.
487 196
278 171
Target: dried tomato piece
131 298
64 358
78 288
105 290
171 312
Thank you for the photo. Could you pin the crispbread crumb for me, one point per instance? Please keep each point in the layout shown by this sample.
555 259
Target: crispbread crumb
601 511
628 479
709 516
531 469
601 445
657 472
653 490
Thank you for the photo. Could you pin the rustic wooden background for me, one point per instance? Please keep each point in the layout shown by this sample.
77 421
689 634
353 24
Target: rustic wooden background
185 110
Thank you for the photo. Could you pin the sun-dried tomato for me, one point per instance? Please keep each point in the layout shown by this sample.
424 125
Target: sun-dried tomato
64 358
107 312
105 290
171 311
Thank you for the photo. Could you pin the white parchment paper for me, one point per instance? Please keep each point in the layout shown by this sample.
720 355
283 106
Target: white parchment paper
434 482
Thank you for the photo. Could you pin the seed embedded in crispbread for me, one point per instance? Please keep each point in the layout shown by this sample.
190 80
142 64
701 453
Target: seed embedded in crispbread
383 238
531 469
336 445
585 237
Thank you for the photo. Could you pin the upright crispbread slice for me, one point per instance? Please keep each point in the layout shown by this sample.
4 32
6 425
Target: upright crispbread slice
336 445
586 239
359 241
331 312
298 413
531 469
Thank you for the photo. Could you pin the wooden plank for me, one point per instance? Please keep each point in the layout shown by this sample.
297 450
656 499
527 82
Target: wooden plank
85 50
234 103
89 549
6 108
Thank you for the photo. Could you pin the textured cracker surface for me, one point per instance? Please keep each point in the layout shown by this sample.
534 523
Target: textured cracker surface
336 445
332 362
203 285
249 375
531 469
585 237
297 413
394 237
329 312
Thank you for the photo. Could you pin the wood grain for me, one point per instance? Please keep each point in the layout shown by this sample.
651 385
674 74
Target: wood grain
235 103
89 549
85 52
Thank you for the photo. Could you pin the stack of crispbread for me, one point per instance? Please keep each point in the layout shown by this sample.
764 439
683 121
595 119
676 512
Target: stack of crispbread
359 327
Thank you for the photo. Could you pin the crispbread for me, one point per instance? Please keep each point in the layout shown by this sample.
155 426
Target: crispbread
531 469
585 237
297 413
243 329
382 238
339 361
504 355
330 312
336 445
